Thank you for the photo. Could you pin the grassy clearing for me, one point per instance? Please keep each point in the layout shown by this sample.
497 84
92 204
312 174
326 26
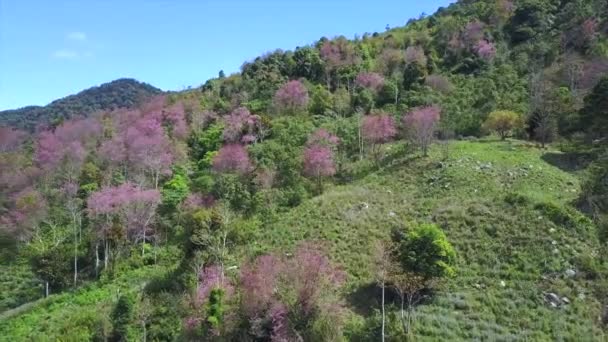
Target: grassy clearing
507 212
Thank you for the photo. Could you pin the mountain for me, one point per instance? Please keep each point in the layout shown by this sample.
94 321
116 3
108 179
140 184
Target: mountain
121 93
446 180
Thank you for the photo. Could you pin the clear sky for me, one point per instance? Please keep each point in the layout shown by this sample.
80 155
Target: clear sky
53 48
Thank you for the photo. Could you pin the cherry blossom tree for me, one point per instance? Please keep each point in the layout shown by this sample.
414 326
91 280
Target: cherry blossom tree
232 158
319 156
175 118
420 124
370 80
28 210
376 130
337 53
278 302
485 50
11 139
241 126
133 206
292 97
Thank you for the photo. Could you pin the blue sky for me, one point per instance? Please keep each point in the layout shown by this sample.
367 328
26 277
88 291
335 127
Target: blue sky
50 49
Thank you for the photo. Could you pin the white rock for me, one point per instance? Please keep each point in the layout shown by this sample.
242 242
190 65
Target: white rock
502 283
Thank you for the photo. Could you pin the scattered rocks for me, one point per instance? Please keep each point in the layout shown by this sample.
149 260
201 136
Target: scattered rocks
570 273
555 301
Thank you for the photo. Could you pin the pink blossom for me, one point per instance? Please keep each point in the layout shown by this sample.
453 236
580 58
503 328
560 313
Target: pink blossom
241 126
318 161
485 49
370 80
259 282
292 96
232 158
10 139
322 137
378 129
421 123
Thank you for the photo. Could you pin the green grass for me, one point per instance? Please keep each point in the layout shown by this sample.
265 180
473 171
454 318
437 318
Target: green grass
507 212
74 316
18 285
528 244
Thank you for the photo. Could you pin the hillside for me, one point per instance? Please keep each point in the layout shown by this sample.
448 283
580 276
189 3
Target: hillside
444 180
121 93
529 244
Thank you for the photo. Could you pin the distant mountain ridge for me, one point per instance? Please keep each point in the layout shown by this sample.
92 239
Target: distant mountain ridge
120 93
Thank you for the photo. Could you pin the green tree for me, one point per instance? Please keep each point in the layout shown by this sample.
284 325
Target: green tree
503 122
423 256
121 318
594 115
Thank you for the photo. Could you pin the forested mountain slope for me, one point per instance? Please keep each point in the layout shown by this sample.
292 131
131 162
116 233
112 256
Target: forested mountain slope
122 93
445 180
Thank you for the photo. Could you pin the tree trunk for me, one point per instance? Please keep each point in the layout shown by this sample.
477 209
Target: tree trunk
383 312
143 244
46 289
96 258
403 321
106 255
75 255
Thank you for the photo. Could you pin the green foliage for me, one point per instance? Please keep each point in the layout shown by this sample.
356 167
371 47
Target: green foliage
594 116
121 317
426 251
503 122
215 309
175 190
204 144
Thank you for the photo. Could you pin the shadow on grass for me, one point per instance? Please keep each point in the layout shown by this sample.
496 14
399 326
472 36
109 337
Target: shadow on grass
368 297
568 162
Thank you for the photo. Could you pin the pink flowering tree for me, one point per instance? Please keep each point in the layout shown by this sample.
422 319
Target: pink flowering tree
28 209
240 126
485 50
376 130
232 158
61 153
336 54
319 156
421 124
291 98
11 139
132 206
284 301
370 80
174 117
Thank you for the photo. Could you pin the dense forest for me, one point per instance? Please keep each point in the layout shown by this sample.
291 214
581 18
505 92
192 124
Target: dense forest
444 180
122 93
